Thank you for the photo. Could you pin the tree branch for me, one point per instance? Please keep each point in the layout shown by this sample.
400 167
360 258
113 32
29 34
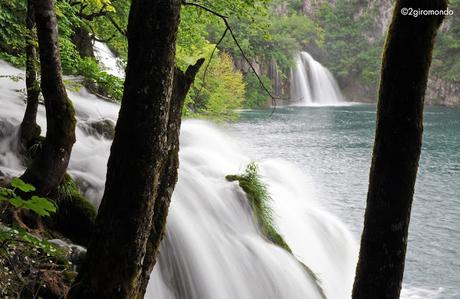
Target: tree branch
119 29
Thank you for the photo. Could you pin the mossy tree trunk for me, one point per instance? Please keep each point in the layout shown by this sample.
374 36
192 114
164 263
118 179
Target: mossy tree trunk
397 147
30 131
142 168
49 166
182 83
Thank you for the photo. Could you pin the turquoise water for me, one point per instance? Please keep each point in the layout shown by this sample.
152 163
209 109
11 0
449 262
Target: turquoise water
333 145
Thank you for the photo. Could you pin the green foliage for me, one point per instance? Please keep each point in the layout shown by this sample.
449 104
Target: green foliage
39 205
12 29
221 93
255 96
25 261
98 80
16 60
8 235
104 28
266 37
259 200
446 55
349 51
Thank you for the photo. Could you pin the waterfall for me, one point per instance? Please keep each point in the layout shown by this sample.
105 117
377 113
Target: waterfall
212 248
313 84
110 62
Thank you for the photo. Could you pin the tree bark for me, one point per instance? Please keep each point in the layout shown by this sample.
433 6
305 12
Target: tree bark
30 130
182 83
142 168
396 153
83 42
49 166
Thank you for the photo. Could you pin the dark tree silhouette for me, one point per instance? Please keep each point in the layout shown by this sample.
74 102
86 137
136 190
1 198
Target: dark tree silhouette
142 168
49 166
30 131
398 139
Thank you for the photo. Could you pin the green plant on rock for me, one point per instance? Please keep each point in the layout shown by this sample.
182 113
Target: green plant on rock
75 215
259 201
39 205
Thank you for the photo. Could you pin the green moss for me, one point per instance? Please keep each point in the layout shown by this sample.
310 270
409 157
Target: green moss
259 199
75 215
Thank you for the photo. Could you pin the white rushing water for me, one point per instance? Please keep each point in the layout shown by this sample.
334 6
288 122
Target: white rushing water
213 248
313 84
111 63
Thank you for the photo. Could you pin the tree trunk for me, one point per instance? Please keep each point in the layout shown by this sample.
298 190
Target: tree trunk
397 147
83 42
182 83
142 168
30 131
49 166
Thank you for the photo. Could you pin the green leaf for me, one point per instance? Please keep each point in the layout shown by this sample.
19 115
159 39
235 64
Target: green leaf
5 192
40 205
18 202
21 185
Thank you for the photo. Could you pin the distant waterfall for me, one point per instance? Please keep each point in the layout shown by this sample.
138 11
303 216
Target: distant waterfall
313 84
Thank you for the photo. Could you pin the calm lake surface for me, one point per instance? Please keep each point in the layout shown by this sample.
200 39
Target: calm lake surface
333 145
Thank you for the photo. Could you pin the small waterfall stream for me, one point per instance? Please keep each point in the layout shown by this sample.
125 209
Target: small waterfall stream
111 63
213 248
313 84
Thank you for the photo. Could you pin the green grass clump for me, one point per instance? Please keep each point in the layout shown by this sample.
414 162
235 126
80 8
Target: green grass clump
259 199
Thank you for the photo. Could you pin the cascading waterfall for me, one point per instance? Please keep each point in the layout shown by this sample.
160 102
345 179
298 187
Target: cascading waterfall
313 84
213 248
111 63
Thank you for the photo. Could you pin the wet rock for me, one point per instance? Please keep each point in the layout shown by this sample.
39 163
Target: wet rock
6 129
75 253
103 127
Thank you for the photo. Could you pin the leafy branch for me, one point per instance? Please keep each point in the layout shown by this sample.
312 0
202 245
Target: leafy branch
39 205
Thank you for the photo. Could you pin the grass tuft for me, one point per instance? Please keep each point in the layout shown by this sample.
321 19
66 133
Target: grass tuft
259 200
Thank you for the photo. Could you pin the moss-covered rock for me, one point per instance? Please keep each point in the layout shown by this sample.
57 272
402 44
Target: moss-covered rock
75 215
